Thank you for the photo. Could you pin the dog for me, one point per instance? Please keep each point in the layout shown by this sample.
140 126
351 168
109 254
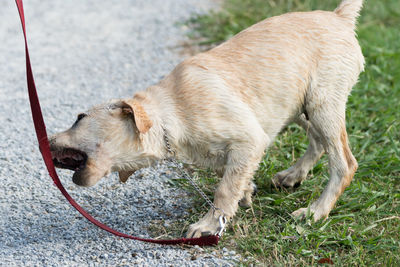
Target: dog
221 109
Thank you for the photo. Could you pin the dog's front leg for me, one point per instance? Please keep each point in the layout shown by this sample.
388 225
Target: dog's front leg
239 170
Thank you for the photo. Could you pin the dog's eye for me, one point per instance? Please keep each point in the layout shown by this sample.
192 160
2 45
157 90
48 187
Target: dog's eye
80 116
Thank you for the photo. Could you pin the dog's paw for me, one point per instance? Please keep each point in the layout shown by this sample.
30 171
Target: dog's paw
304 213
301 214
208 225
289 178
246 201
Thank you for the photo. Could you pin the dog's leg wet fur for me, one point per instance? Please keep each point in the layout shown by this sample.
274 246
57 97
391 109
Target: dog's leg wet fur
328 120
246 201
233 187
293 176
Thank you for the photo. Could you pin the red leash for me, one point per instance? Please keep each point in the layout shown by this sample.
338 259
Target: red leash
41 134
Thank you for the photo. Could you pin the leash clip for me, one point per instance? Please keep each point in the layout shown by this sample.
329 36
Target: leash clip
222 224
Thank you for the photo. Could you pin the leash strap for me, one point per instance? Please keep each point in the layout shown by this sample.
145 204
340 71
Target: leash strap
41 134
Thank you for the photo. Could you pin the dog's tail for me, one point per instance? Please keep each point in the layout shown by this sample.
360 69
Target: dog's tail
349 10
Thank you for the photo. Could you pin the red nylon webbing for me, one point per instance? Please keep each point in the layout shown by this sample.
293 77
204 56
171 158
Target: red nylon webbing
41 134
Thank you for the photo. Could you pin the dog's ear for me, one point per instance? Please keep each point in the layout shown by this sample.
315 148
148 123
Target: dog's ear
124 175
142 120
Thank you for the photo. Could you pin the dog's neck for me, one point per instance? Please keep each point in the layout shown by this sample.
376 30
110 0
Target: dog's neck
163 133
167 143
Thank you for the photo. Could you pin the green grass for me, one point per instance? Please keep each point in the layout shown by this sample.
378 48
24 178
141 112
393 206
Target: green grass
364 227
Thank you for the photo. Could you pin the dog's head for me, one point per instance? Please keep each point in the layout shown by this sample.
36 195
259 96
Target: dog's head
106 138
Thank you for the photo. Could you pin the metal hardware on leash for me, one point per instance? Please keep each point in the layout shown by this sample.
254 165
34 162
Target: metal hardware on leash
222 222
222 219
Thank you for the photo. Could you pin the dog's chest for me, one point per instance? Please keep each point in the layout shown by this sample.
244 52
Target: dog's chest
209 155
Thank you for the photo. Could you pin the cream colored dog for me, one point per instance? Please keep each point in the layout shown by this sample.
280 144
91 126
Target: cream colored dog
221 109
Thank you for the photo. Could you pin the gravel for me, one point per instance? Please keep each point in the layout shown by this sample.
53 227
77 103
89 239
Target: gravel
83 53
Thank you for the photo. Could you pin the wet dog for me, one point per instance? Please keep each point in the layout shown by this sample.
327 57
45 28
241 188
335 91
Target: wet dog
221 109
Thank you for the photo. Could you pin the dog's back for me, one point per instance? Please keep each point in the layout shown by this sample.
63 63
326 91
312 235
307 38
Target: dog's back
273 65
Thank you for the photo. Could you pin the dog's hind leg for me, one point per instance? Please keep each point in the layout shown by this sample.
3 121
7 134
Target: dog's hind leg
250 190
293 176
328 118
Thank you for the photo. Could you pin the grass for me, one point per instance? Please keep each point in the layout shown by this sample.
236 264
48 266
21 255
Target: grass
364 227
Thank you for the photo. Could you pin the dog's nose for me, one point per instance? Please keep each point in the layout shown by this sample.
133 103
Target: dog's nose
52 143
52 140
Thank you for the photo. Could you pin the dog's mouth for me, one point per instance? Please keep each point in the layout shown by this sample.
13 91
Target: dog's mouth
69 158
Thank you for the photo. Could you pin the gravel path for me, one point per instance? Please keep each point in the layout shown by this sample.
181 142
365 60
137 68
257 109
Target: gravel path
83 53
